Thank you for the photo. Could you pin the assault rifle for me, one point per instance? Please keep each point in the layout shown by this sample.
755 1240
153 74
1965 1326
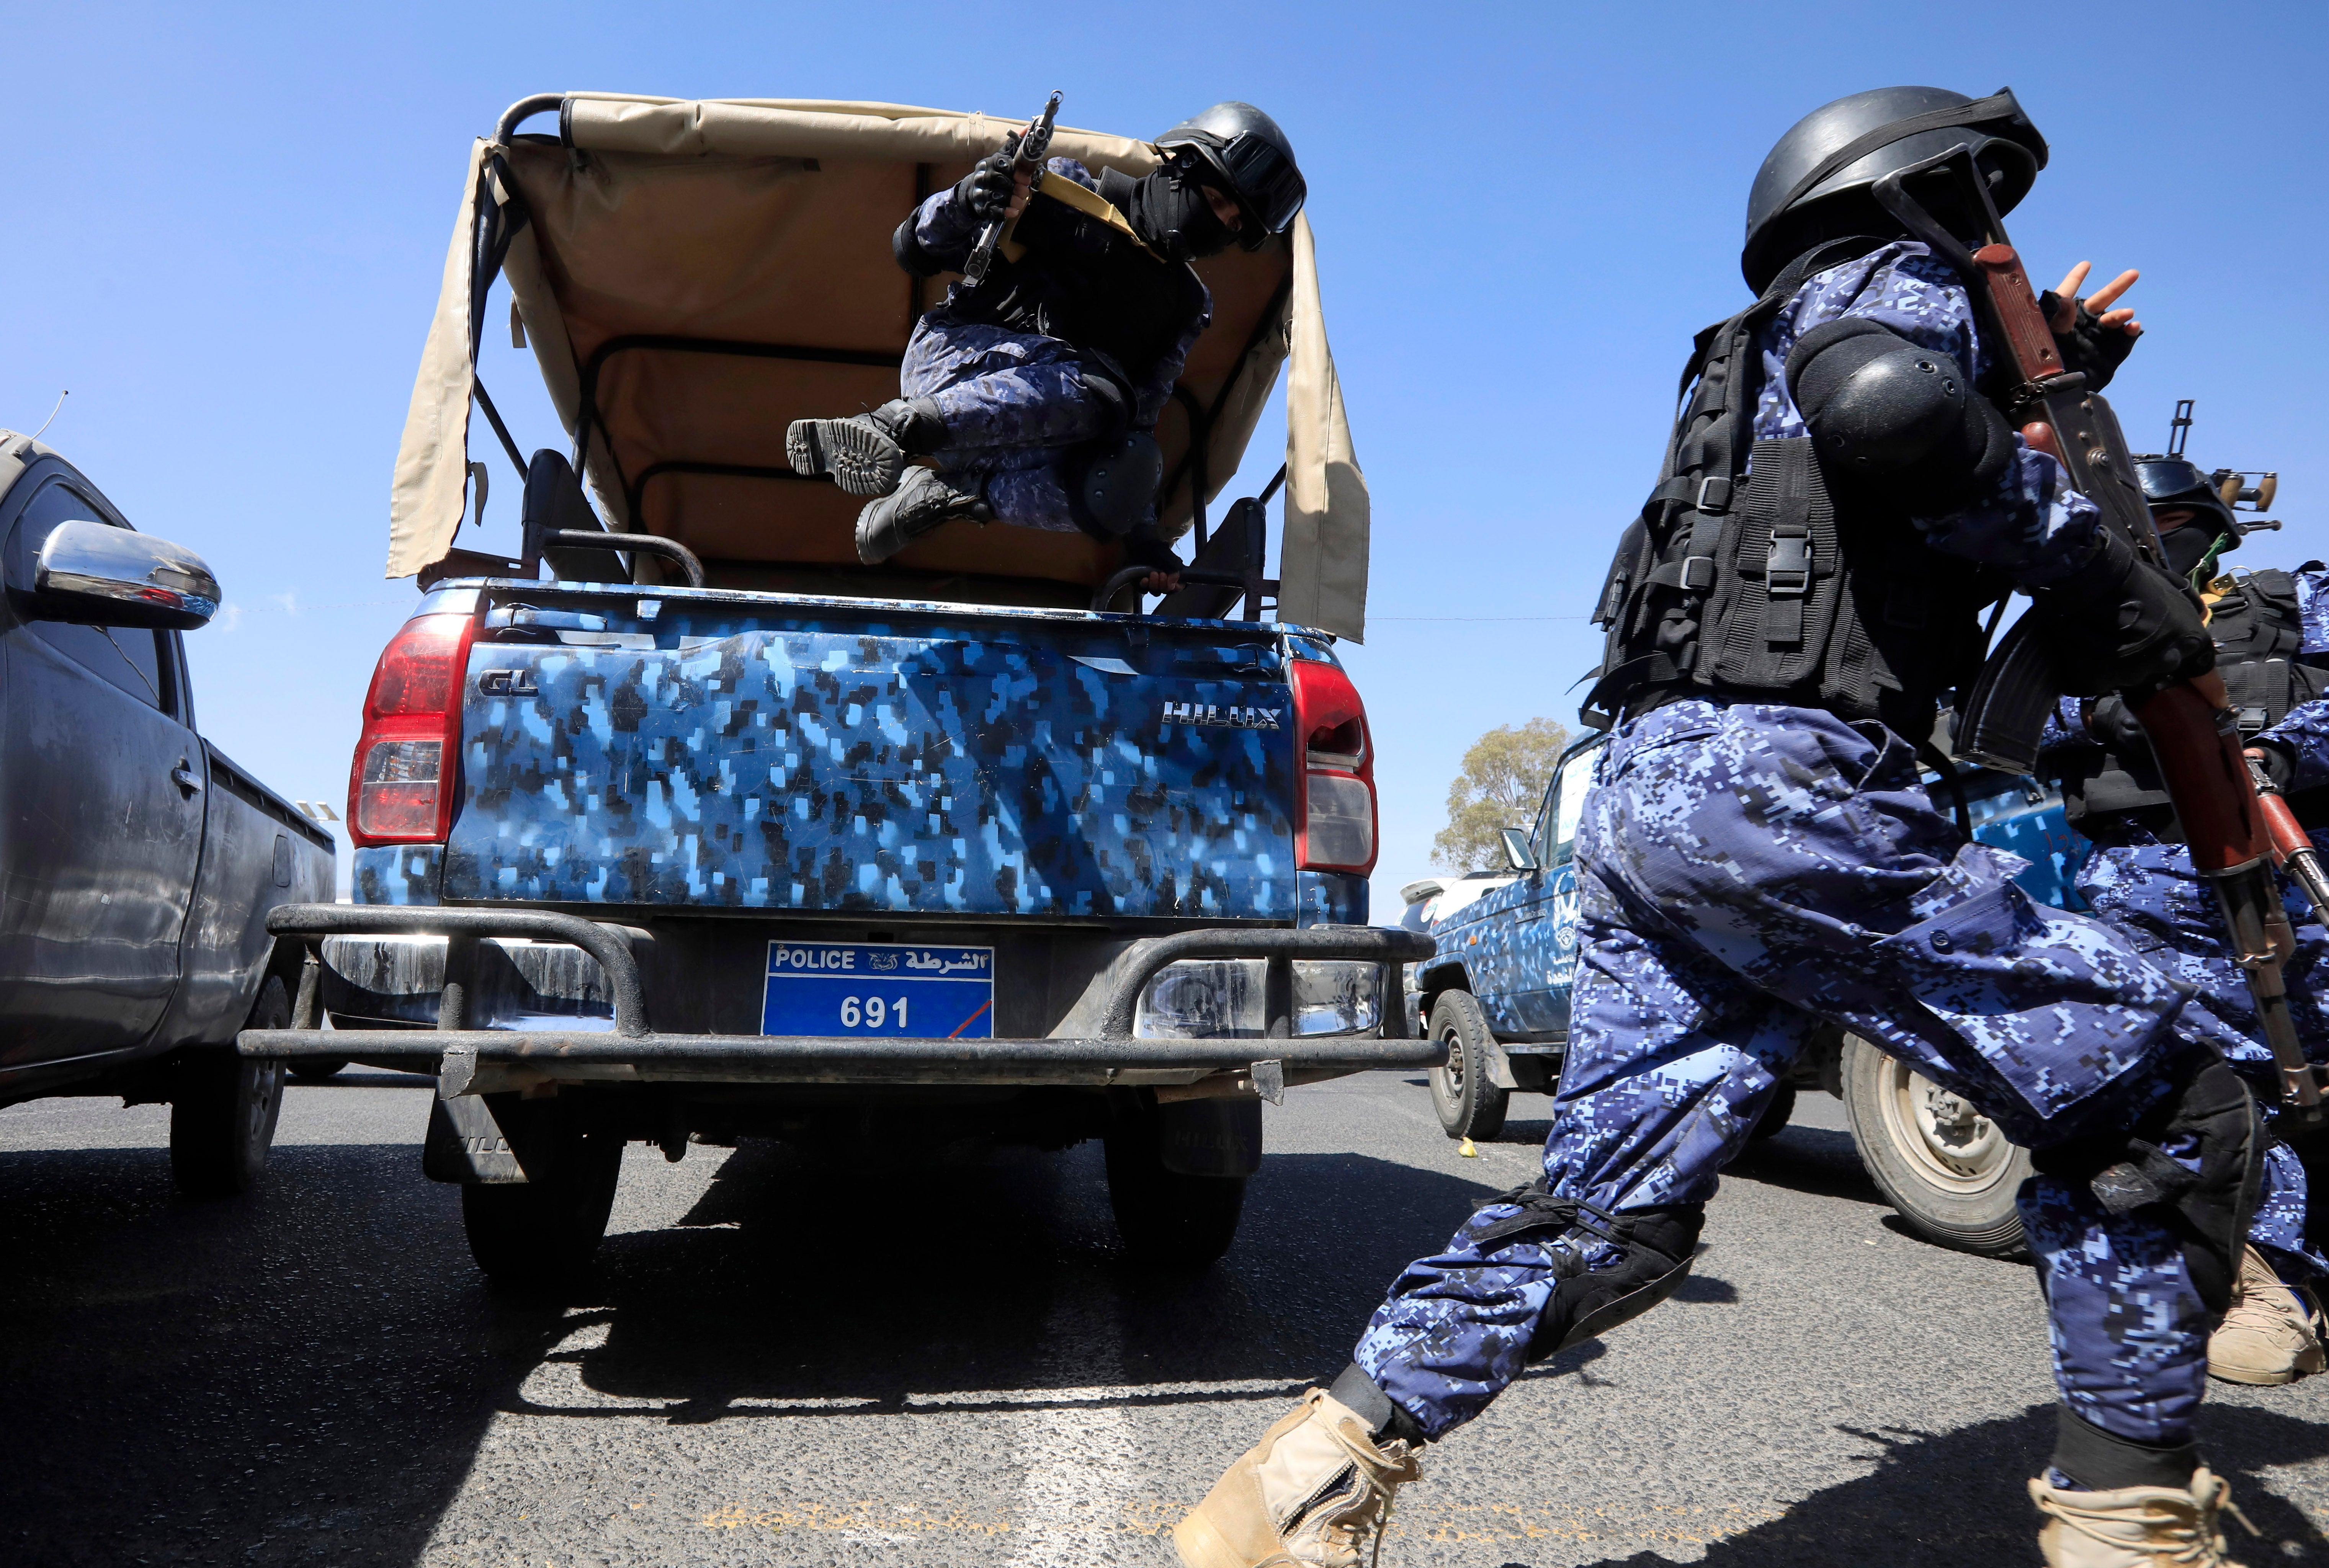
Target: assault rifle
1027 158
2292 846
2194 731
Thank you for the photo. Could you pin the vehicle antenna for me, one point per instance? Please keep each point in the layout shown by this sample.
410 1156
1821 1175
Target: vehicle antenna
52 415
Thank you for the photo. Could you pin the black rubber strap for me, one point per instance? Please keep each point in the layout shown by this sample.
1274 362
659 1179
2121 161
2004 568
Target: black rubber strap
2102 1461
1365 1397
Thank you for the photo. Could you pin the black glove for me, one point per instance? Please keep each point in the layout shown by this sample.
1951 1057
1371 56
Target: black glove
984 193
2114 723
2089 347
2278 762
2122 624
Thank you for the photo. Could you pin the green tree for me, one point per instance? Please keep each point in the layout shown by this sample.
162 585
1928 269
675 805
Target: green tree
1504 779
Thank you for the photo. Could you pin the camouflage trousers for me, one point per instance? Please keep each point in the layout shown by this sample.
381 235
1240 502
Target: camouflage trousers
1745 871
1015 405
2149 891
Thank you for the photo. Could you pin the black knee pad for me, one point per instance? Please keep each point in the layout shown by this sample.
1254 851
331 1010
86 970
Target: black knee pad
1115 485
2208 1209
1656 1243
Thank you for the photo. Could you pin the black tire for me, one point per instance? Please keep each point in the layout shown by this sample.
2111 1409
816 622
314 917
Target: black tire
1951 1173
1468 1104
1776 1115
223 1108
1167 1220
542 1233
315 1069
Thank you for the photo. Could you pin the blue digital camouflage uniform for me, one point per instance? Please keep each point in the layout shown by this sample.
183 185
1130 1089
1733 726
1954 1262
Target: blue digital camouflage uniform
1746 870
1015 403
2149 890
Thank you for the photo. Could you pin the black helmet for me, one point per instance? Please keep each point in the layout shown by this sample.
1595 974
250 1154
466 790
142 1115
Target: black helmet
1815 183
2174 480
1252 160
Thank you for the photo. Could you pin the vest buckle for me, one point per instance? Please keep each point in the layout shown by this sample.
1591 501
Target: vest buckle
1714 495
1787 564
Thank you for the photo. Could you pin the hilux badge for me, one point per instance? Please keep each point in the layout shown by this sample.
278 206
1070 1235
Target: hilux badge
1229 716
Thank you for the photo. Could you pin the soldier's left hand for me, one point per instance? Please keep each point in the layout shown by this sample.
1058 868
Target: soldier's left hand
2066 310
1160 582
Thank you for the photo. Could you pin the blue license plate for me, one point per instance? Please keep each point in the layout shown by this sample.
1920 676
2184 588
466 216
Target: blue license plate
879 988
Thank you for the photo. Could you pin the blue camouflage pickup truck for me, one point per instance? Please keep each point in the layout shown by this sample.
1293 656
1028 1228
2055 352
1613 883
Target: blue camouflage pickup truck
713 833
1494 995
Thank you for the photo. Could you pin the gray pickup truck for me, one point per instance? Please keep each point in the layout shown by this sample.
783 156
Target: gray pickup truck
137 865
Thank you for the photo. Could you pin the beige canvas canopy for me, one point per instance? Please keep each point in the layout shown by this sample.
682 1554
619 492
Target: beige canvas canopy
692 277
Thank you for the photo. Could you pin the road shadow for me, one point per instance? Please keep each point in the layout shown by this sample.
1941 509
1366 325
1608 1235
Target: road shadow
1821 1162
1940 1501
992 1285
301 1375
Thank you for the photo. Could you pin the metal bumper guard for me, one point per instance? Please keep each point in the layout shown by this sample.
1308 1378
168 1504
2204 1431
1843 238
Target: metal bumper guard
476 1061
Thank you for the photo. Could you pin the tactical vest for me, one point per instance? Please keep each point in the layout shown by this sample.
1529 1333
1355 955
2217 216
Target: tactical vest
1076 271
2257 623
1744 577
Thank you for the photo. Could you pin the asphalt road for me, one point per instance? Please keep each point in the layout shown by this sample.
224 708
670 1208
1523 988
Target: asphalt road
918 1360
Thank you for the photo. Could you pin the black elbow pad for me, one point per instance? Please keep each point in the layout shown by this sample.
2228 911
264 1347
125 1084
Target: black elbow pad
907 248
1895 418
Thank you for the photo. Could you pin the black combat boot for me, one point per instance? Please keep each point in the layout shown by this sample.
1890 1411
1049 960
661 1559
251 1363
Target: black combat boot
866 452
923 499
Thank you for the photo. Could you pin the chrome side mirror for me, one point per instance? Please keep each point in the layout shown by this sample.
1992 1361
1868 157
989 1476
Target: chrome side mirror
102 576
1517 853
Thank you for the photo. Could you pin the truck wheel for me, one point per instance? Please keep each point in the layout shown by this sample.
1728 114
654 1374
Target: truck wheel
1776 1115
1166 1218
1469 1105
223 1106
1946 1168
315 1069
545 1233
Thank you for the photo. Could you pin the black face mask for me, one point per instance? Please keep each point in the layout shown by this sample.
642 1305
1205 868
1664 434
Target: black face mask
1169 211
2187 546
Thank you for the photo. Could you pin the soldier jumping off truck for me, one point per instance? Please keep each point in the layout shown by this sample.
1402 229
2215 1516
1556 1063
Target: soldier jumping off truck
1036 387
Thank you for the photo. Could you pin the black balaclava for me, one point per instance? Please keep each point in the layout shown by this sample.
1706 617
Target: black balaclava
1168 209
2188 546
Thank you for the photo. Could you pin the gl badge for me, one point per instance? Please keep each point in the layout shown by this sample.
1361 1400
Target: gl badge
507 683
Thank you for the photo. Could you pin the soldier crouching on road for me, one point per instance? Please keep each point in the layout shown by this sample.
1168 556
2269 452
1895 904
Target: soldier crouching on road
1758 855
2271 631
1037 390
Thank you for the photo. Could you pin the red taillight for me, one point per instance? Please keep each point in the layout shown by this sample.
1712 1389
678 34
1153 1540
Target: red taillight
1334 824
400 789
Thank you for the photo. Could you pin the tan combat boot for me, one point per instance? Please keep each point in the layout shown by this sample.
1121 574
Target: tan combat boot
2137 1527
2270 1334
1307 1496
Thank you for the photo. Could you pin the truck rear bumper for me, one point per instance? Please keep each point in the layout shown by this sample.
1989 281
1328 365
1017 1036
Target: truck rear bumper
471 1061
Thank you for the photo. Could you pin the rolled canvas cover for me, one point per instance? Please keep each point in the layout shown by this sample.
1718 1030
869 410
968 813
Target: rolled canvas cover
693 277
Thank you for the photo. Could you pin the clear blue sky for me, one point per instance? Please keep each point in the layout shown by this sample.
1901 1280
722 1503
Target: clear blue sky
227 225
